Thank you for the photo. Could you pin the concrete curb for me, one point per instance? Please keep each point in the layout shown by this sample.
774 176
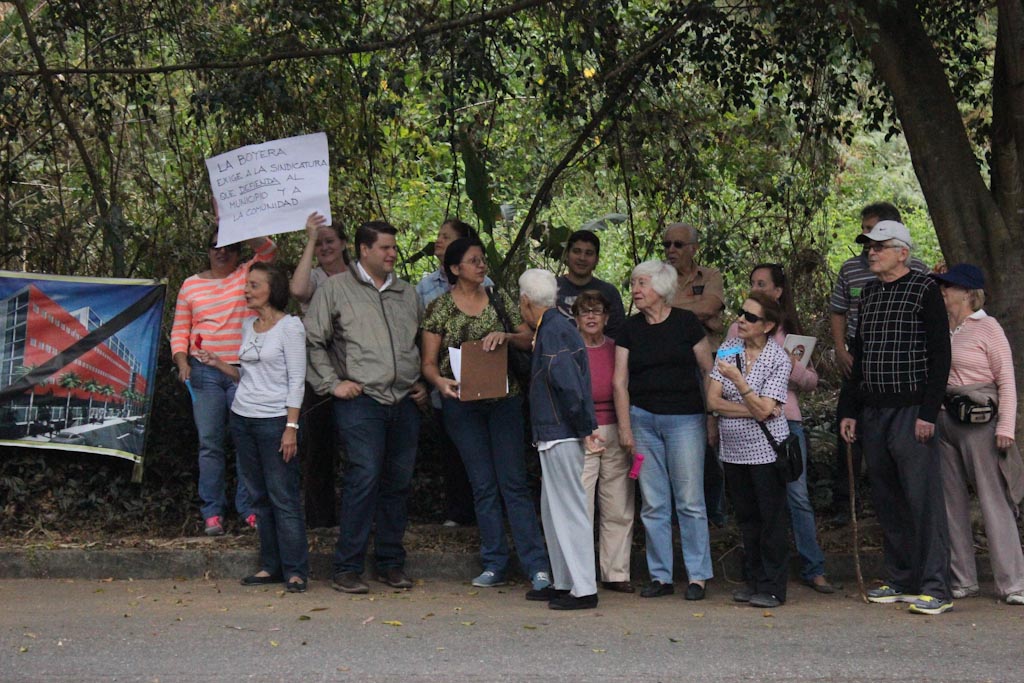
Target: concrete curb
224 563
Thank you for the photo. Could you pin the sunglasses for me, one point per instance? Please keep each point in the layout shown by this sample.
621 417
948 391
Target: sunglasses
879 246
678 244
748 316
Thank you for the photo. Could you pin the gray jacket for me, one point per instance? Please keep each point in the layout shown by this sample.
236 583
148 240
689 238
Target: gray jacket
355 332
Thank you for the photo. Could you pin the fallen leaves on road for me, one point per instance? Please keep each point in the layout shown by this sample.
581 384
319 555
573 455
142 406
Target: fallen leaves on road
393 622
367 620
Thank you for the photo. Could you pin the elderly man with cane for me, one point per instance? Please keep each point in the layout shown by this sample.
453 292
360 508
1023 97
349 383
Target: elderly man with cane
563 424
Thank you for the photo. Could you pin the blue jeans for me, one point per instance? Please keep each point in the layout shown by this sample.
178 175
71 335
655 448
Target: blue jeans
801 515
276 489
673 471
380 441
212 395
489 436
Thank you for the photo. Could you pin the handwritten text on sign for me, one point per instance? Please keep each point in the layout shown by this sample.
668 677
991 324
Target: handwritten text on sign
271 187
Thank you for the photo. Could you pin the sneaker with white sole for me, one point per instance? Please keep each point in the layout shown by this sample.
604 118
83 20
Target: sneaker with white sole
488 579
213 526
886 594
961 592
926 604
540 580
1015 599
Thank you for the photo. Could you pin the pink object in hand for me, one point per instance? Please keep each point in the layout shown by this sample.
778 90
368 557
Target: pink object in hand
638 461
199 341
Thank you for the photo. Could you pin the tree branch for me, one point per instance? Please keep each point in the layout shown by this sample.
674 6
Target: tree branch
306 53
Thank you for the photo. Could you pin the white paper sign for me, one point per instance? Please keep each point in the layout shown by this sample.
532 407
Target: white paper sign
270 187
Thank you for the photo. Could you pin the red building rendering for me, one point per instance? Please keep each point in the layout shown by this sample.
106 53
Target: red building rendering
36 328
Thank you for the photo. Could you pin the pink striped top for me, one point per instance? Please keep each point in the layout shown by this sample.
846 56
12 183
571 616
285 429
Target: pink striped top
800 379
215 308
981 354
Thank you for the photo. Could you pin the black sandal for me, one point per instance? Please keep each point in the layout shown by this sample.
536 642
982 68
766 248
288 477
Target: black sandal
296 586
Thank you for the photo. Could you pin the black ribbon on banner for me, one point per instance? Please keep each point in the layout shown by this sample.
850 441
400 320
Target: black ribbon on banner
85 344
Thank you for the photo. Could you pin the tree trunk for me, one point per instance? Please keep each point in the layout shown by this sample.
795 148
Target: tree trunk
974 223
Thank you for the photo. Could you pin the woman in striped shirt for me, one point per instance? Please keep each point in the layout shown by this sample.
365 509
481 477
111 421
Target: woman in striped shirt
208 315
979 453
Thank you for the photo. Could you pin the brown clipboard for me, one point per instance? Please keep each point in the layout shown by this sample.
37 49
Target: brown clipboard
484 373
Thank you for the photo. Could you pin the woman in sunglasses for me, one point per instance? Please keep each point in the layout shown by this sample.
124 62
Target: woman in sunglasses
749 384
265 425
208 315
771 279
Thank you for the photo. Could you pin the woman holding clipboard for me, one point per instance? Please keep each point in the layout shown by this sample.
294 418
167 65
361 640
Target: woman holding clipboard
488 433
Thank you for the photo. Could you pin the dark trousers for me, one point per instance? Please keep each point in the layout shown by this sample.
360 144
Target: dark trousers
380 441
758 497
714 487
906 486
458 494
318 442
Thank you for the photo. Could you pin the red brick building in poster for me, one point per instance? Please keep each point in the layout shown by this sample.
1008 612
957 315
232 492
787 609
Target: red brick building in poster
35 328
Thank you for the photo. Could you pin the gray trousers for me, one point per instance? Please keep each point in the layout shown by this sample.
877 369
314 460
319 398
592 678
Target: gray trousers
969 455
568 529
906 485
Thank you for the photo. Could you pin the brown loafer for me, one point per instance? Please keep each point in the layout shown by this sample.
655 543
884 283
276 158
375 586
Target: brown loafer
395 578
618 586
825 588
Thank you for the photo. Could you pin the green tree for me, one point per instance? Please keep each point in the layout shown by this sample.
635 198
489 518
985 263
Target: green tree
106 391
69 381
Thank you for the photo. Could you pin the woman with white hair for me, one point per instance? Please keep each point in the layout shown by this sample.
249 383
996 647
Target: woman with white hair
562 419
661 356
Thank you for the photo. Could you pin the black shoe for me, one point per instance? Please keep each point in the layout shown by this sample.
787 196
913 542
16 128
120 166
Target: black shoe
256 580
349 582
618 586
395 578
299 586
656 589
546 594
742 595
695 591
569 601
764 600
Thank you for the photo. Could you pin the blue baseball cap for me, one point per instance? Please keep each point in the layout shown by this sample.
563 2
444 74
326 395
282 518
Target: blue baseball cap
962 275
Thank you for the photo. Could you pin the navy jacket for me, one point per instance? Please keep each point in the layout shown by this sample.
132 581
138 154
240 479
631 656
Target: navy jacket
561 402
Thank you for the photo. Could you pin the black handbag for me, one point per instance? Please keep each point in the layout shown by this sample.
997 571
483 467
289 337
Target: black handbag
519 362
967 411
789 459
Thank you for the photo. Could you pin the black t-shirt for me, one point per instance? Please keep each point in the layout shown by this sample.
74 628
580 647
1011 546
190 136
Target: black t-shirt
663 370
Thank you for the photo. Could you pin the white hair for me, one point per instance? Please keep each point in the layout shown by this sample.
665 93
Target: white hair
664 277
900 243
691 230
539 287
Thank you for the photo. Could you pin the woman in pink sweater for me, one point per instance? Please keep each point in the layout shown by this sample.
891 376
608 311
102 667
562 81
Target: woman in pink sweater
771 279
977 451
610 467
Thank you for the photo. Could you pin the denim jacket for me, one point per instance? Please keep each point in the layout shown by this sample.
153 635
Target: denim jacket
561 402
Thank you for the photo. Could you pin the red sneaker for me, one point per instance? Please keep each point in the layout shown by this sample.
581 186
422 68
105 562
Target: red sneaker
213 526
251 520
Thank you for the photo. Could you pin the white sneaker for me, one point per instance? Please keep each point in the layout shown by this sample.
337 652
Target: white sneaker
961 592
1015 599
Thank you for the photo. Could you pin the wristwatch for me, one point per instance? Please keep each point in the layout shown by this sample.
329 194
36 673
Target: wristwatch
293 425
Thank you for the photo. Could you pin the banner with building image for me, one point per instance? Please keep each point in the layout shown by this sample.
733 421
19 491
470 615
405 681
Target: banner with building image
78 362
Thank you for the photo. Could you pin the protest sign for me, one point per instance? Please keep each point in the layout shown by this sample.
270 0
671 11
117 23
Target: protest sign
78 362
270 187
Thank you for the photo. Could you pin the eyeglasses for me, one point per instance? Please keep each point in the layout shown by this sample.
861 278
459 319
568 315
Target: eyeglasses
678 244
584 312
879 246
475 261
748 316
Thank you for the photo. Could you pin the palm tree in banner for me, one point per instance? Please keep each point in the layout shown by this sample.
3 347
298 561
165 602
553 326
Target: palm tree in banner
69 381
129 396
20 372
107 391
93 387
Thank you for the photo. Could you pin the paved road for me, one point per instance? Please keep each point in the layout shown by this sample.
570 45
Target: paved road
81 630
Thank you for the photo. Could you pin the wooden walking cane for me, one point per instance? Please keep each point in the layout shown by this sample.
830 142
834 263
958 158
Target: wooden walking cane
853 522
